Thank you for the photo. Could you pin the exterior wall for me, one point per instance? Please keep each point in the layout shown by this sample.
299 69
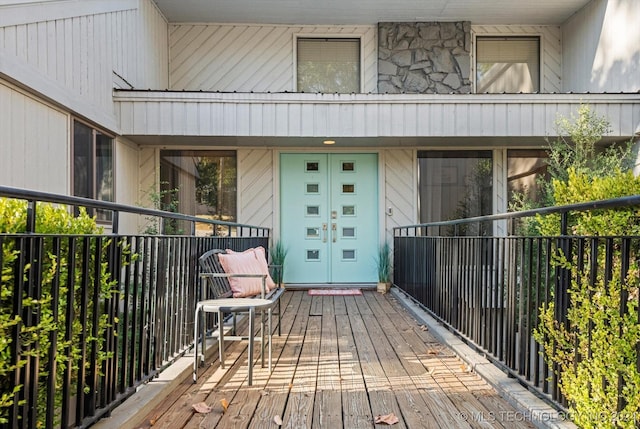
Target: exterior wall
256 187
550 47
33 140
601 45
70 56
424 57
127 177
258 58
400 189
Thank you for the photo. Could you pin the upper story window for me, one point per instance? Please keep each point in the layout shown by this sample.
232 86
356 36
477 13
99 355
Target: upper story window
507 64
92 165
328 65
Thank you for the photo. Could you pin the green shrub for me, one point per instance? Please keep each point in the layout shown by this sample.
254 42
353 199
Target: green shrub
595 353
35 340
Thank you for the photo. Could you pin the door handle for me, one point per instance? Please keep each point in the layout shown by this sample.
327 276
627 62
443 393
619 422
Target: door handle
324 232
334 231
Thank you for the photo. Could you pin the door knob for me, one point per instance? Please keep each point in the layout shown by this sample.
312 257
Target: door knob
334 230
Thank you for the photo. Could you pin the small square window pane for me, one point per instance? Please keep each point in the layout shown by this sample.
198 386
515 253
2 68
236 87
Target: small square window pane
348 188
313 232
313 210
313 188
348 254
312 166
349 232
313 255
348 166
348 210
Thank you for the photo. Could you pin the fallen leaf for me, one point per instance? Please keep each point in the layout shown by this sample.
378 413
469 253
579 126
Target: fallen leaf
389 419
424 328
225 404
201 408
433 352
277 420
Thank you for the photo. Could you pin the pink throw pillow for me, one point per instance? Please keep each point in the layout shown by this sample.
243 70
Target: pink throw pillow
251 261
261 256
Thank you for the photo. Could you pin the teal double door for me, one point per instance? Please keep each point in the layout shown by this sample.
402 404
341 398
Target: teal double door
329 217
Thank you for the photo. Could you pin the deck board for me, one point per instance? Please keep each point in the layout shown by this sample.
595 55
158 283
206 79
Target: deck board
340 362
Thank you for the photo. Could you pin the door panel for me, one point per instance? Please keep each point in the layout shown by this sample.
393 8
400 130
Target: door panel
329 216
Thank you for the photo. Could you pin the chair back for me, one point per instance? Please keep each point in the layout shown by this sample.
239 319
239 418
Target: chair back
216 287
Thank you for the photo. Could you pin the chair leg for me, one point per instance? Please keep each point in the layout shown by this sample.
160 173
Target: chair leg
270 337
251 335
221 339
262 338
279 319
195 345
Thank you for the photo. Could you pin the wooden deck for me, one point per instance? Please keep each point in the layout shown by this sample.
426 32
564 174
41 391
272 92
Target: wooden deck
340 362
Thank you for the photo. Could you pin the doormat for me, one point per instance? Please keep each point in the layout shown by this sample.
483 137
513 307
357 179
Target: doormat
335 292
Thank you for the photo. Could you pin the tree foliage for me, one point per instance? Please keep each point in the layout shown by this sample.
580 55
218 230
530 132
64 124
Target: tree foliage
595 352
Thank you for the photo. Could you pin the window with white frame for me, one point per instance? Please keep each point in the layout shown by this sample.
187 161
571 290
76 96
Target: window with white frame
507 64
93 165
328 65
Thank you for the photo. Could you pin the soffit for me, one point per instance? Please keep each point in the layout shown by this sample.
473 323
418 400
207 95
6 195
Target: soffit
367 12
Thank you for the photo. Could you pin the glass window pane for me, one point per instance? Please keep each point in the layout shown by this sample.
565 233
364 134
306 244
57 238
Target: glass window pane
507 64
524 170
313 188
455 184
313 210
348 188
328 65
348 210
202 183
82 160
348 254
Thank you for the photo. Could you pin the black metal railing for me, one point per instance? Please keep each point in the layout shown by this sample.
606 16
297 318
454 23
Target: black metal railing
92 317
489 289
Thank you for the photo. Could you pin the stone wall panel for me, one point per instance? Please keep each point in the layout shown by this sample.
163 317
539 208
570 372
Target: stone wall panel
424 57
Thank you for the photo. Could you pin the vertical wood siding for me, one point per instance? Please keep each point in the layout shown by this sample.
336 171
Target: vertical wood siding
127 178
246 58
255 187
33 141
550 46
598 55
80 53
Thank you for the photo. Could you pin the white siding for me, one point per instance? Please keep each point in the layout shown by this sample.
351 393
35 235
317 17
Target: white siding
400 189
70 58
550 49
601 45
255 187
246 58
364 115
126 182
32 157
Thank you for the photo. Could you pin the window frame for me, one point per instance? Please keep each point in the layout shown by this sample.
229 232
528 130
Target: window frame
327 36
106 217
474 62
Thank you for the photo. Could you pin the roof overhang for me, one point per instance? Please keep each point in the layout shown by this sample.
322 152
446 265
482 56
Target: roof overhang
366 12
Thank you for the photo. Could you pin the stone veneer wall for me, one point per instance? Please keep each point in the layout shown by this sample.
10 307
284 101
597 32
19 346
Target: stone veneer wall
424 57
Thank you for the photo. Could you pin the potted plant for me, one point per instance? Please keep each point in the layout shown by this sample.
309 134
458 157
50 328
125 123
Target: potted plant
278 254
383 263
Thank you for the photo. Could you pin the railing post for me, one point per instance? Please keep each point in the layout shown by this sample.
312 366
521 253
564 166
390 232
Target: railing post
31 216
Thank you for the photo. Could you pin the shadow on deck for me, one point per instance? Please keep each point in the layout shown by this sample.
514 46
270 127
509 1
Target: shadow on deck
341 362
